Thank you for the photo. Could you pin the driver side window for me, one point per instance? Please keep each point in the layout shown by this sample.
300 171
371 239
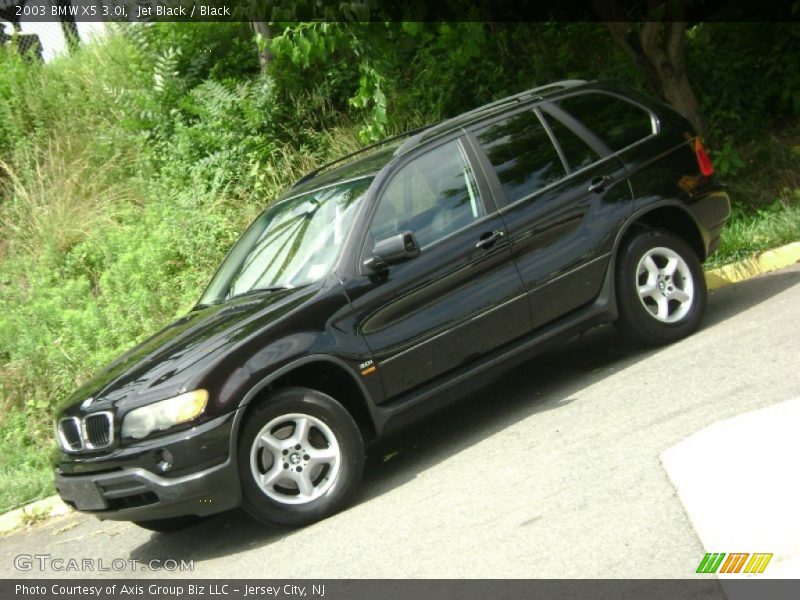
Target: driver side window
432 196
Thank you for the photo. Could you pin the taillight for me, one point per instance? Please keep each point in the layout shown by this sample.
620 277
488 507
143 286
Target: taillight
703 160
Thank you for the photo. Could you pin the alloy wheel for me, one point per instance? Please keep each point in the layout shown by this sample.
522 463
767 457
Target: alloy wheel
665 285
295 458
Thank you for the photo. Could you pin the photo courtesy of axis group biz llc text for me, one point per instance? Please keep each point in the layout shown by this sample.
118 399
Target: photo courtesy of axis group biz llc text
170 590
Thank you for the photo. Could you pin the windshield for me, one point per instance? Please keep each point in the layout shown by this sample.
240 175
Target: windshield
295 242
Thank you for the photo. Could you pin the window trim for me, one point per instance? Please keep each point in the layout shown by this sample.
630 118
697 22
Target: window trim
655 122
572 123
489 205
499 194
501 199
554 141
576 127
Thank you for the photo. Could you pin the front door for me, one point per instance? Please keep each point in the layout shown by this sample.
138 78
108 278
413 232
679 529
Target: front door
462 297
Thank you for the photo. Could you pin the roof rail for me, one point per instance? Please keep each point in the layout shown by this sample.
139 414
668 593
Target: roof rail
508 100
311 174
537 91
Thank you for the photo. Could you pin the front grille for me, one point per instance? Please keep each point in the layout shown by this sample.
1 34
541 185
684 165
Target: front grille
94 432
97 429
70 429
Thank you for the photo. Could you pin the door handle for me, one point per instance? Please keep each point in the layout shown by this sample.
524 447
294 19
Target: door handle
598 184
489 239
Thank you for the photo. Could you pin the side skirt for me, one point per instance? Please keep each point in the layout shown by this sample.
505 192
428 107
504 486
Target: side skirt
442 392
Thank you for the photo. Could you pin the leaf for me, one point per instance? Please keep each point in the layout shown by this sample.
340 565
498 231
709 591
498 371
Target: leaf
412 28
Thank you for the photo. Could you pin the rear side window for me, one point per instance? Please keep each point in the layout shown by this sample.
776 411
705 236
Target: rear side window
615 121
576 152
522 154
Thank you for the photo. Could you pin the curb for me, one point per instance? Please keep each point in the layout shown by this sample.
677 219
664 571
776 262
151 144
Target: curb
771 260
32 513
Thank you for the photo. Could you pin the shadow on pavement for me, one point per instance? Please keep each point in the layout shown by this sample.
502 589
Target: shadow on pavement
547 382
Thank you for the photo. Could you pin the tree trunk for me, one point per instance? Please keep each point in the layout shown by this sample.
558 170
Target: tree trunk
679 93
261 29
658 49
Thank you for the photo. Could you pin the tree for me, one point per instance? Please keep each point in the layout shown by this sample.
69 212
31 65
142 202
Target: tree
262 39
657 46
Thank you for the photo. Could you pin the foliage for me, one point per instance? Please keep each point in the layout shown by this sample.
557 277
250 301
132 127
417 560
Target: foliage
727 159
34 515
748 233
330 50
24 470
745 74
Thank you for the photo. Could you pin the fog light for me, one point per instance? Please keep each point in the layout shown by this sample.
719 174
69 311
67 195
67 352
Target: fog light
165 464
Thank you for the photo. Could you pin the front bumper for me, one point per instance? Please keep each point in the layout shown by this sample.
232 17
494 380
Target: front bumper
125 486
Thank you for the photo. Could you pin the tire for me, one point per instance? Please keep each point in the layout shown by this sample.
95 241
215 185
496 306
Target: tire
663 299
168 525
301 457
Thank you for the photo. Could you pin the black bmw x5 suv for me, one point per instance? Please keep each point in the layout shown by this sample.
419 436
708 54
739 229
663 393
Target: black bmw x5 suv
377 290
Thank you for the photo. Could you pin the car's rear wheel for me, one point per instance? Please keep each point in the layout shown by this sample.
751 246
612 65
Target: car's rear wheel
301 457
661 290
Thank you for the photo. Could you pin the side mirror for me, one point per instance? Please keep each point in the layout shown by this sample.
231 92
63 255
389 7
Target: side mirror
393 250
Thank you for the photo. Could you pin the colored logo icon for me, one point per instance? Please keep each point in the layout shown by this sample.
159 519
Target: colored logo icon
734 563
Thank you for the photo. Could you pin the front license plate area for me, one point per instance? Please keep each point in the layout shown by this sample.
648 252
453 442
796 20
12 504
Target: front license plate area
84 494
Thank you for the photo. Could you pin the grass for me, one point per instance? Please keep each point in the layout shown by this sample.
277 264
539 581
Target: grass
25 472
765 191
748 233
60 200
31 517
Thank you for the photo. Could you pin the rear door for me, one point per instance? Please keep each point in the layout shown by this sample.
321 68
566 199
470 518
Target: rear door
462 297
628 130
562 196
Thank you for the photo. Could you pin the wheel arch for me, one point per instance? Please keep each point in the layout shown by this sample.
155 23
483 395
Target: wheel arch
670 215
323 373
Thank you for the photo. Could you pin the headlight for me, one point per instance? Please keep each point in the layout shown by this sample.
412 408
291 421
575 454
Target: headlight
141 422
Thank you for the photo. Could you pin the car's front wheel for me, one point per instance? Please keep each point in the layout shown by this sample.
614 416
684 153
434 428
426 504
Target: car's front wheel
301 457
661 289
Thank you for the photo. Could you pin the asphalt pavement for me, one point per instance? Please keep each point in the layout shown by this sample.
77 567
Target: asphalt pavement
553 470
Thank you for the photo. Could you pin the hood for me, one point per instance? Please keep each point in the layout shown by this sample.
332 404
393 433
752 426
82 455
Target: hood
160 366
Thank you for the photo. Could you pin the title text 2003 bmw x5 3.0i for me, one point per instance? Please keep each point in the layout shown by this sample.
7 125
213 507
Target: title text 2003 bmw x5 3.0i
375 291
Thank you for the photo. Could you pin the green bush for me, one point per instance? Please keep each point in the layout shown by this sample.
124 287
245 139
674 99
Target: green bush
745 74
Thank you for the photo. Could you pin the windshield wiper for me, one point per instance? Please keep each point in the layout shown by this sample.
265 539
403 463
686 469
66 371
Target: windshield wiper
259 290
